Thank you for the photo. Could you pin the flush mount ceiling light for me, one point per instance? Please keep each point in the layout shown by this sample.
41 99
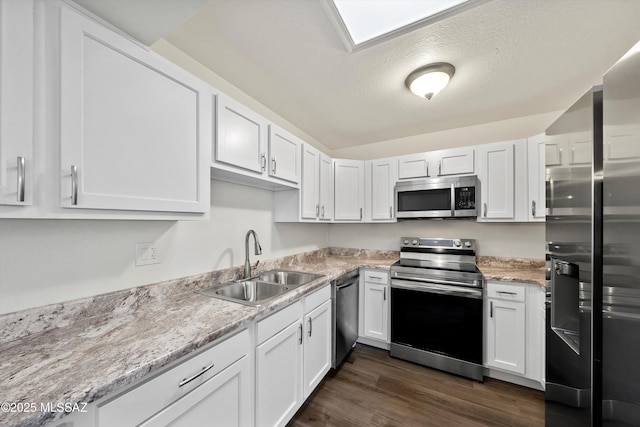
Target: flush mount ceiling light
429 80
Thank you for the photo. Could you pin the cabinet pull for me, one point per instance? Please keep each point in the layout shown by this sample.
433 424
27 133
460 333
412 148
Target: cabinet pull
533 208
310 326
263 162
440 168
390 212
322 211
490 308
300 327
384 294
427 168
360 213
74 185
317 210
485 210
273 166
375 277
20 160
202 372
506 293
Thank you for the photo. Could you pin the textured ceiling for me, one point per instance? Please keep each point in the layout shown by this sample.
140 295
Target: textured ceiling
512 59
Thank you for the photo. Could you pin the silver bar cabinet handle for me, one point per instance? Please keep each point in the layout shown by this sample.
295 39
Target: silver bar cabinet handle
384 294
74 185
533 208
263 162
360 213
491 309
202 372
390 212
440 168
322 211
300 327
427 168
310 326
20 160
506 293
485 210
317 210
274 165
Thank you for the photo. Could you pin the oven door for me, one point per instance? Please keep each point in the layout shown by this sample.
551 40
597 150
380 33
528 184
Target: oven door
441 319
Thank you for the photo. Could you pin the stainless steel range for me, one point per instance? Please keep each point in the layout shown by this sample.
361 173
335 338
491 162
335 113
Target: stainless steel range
437 304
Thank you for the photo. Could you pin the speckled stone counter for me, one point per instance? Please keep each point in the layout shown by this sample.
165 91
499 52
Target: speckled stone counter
512 269
82 350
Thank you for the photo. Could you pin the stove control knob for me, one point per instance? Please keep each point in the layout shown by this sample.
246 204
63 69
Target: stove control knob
405 242
414 242
457 243
467 244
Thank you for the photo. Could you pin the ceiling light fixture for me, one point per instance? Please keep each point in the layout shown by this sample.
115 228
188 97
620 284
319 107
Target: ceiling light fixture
429 80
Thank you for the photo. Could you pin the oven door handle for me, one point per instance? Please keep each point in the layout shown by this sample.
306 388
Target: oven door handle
428 280
437 289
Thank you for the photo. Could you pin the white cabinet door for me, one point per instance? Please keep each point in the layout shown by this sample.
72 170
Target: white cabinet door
221 401
317 347
536 177
278 377
413 166
133 129
16 102
241 136
506 335
497 177
326 188
310 187
455 161
376 311
382 182
348 190
284 155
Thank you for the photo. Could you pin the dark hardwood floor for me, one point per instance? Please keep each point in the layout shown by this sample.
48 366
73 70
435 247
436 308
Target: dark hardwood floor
373 389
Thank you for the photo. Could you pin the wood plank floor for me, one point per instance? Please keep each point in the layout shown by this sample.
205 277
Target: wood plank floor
373 389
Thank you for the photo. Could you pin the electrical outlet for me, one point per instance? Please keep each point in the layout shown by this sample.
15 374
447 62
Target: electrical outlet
147 254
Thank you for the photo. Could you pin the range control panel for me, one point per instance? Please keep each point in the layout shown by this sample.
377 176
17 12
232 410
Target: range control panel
435 243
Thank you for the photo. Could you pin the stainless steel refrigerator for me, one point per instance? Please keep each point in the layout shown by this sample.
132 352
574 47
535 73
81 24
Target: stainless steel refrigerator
593 255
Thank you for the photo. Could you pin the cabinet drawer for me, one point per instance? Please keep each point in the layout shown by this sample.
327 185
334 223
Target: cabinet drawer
376 276
316 298
504 291
266 328
136 405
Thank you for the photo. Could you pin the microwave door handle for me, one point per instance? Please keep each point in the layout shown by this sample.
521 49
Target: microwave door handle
453 200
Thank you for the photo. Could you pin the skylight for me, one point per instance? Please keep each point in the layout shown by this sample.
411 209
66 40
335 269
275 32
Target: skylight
373 20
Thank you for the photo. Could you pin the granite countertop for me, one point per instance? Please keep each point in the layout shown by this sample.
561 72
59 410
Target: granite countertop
80 351
513 269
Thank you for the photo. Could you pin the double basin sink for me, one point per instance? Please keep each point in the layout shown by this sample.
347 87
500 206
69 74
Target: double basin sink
256 290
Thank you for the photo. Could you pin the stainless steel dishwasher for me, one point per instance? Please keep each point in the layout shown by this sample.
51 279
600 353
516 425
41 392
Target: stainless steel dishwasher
345 315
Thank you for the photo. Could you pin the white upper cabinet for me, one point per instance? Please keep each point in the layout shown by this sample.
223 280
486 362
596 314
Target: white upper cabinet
349 190
455 161
568 149
380 179
241 136
310 188
16 102
134 128
536 176
326 188
284 155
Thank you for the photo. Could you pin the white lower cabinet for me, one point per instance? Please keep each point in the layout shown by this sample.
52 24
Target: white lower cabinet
514 332
293 354
211 388
374 308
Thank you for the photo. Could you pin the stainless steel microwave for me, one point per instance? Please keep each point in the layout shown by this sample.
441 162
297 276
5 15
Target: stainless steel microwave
450 197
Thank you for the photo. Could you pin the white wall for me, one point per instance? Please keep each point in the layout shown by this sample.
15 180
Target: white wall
48 261
518 240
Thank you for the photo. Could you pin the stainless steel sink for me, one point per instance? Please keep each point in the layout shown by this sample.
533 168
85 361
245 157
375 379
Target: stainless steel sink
289 278
249 292
257 290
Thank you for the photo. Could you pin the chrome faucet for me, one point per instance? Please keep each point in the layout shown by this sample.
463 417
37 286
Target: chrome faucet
258 250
